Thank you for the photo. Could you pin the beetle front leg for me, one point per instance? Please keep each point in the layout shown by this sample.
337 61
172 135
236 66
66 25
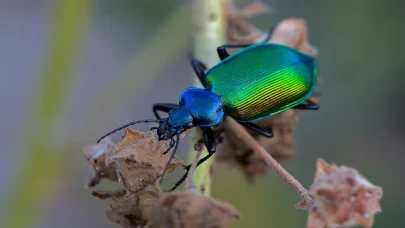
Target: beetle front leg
163 107
209 141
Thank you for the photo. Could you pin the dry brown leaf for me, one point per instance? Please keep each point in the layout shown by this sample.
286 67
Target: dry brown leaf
129 212
343 198
139 161
289 32
187 210
96 155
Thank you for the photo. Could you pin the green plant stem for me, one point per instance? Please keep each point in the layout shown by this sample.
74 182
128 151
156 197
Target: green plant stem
209 33
40 166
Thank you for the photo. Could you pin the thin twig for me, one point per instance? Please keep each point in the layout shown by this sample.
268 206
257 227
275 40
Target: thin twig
190 185
243 135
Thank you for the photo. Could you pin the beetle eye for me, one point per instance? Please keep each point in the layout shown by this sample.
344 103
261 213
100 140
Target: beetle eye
161 129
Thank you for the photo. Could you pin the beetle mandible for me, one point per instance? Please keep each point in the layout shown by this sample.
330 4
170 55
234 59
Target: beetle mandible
256 82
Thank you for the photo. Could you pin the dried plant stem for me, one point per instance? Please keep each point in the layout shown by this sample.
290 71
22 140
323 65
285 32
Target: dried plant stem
243 135
208 33
189 181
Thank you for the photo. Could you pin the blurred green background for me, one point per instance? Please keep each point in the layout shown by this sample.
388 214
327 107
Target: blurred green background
73 69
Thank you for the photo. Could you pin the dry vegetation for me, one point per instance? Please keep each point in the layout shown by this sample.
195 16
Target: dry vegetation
338 197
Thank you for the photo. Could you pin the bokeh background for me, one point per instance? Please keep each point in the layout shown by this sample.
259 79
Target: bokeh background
72 69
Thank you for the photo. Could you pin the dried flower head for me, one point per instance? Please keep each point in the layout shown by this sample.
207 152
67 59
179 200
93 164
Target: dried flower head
187 210
129 212
239 30
139 161
343 197
289 32
96 156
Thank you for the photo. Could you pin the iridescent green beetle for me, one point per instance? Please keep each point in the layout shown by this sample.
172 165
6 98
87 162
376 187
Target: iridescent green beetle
256 82
262 80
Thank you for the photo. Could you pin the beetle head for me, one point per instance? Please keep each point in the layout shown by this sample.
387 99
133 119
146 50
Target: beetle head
165 131
179 120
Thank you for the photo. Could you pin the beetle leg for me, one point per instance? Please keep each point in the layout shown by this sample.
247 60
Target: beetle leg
171 145
254 127
199 69
176 142
187 168
209 141
223 54
163 107
269 34
310 106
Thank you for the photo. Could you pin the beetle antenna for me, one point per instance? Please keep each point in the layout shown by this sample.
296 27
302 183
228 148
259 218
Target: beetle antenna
129 124
176 142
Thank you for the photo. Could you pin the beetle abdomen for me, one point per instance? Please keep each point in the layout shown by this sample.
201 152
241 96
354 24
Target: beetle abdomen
205 107
262 80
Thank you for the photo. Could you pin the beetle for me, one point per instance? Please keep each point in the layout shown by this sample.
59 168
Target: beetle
258 81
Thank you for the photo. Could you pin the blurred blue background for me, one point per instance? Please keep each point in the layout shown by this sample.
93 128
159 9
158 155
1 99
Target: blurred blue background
58 95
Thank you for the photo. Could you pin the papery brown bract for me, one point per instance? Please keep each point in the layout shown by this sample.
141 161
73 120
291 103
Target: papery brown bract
96 155
343 198
139 161
187 210
129 212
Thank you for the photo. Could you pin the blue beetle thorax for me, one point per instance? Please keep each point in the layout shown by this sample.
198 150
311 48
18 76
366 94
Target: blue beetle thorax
205 106
179 118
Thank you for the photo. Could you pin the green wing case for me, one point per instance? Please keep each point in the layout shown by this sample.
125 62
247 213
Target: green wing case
262 80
